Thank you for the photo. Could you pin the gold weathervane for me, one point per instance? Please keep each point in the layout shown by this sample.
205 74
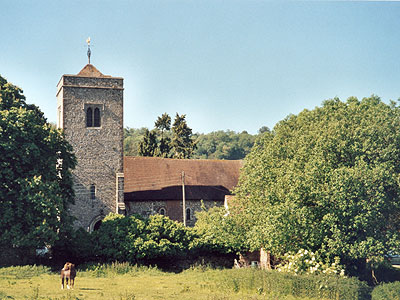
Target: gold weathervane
88 51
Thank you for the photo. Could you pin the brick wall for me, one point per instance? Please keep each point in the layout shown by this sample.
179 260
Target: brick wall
173 208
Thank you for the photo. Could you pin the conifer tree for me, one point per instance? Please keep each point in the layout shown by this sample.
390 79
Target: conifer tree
182 143
163 124
148 146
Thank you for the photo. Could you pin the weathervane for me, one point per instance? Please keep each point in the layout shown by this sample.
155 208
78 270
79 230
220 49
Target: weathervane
88 50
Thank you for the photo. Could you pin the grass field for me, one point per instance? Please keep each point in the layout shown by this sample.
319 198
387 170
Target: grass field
97 283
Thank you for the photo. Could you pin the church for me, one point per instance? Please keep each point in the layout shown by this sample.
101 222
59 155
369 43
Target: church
90 112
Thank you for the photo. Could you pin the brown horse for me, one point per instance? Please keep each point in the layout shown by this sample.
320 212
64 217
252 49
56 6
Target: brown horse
68 273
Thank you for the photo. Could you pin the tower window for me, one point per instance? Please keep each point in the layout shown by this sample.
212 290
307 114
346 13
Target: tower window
162 211
92 192
89 117
93 115
188 214
96 117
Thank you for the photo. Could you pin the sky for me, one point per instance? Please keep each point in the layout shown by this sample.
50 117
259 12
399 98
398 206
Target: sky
226 64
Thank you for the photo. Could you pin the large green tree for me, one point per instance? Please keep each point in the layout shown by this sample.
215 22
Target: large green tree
35 178
327 179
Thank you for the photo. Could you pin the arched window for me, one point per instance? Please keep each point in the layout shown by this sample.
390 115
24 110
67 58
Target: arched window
188 214
162 211
97 117
89 117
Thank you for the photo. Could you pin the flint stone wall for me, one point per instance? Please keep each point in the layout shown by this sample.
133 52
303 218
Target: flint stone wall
99 150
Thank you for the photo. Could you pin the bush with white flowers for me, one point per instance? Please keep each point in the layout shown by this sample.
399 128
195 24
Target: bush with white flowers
306 262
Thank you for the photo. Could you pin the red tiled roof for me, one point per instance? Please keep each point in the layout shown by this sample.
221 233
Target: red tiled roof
158 174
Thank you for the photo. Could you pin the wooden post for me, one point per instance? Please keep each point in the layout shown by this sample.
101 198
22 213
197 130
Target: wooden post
183 198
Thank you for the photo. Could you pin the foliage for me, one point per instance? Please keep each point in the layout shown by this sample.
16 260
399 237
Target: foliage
163 124
327 180
218 231
224 145
278 284
132 139
74 245
134 239
162 142
182 143
214 145
164 237
148 146
35 177
307 262
386 291
119 238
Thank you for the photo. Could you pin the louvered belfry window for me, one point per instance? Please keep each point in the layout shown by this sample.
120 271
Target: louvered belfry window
93 115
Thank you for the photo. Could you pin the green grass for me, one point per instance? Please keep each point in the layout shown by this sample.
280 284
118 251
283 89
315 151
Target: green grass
127 282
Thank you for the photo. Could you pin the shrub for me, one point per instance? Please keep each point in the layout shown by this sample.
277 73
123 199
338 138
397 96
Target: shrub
134 239
76 246
305 261
387 291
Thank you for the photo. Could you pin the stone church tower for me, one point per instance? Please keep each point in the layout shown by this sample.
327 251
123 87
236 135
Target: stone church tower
90 111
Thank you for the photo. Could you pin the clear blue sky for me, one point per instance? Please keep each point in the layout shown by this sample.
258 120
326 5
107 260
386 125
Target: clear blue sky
234 64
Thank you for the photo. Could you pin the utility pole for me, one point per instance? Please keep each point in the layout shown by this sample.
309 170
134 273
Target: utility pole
183 199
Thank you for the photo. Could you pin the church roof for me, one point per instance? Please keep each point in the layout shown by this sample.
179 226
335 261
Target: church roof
154 178
90 71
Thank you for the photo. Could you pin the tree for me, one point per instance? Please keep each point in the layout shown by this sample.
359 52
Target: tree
218 231
132 139
182 143
35 177
224 145
263 129
326 180
148 146
163 124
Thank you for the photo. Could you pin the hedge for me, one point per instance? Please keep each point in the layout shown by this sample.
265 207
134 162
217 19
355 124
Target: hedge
387 291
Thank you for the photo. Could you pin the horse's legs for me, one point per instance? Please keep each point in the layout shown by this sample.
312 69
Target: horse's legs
62 282
67 278
72 281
